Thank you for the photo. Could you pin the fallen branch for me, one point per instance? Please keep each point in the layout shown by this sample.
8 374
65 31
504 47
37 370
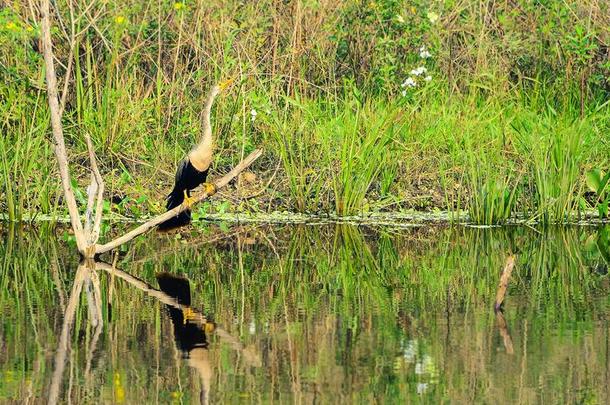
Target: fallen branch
220 183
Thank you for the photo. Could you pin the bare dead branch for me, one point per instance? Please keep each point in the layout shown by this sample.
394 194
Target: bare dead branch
59 146
220 183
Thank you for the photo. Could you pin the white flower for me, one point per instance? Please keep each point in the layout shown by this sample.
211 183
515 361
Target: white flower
404 93
424 53
410 351
419 368
252 328
428 78
410 82
422 387
253 114
420 70
432 17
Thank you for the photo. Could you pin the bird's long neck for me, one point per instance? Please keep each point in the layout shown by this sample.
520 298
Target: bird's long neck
201 155
207 112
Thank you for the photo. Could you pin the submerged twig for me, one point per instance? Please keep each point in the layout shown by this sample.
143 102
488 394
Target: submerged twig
508 269
500 294
503 328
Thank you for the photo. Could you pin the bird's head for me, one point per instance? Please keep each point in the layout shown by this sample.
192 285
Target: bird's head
224 84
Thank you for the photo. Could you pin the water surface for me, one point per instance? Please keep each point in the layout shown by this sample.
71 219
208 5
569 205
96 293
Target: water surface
308 314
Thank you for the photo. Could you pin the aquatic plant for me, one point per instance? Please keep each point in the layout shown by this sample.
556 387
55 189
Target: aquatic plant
600 185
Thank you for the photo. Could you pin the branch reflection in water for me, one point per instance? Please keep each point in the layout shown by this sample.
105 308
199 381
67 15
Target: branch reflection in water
191 326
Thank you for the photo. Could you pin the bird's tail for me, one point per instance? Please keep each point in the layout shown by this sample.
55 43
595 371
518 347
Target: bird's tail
179 289
175 286
174 199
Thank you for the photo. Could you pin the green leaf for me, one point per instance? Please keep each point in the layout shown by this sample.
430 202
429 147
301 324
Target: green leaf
594 180
604 183
591 243
223 207
603 209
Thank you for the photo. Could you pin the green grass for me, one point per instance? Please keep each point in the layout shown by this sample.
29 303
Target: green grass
507 125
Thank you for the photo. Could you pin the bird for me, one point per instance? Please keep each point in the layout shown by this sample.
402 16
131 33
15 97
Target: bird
193 169
191 330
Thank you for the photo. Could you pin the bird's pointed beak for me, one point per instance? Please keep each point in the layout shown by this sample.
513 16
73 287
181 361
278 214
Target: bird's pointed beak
226 83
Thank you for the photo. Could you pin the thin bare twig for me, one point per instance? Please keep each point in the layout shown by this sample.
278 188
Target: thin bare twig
99 200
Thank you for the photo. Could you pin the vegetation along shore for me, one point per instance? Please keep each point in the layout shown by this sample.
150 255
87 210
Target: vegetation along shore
499 109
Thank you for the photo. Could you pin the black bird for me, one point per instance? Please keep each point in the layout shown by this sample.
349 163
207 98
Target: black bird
193 169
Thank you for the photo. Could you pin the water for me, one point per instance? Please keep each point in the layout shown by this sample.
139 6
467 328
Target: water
308 314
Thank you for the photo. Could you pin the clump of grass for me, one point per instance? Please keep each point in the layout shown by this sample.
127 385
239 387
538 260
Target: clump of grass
25 180
492 200
492 185
298 147
357 142
554 150
333 153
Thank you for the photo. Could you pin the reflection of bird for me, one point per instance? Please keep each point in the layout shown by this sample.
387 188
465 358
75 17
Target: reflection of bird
189 331
193 169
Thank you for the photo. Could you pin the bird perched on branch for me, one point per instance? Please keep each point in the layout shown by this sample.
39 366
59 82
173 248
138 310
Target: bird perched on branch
193 169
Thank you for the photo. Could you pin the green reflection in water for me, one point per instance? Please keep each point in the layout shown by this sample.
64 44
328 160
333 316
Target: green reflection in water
310 314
